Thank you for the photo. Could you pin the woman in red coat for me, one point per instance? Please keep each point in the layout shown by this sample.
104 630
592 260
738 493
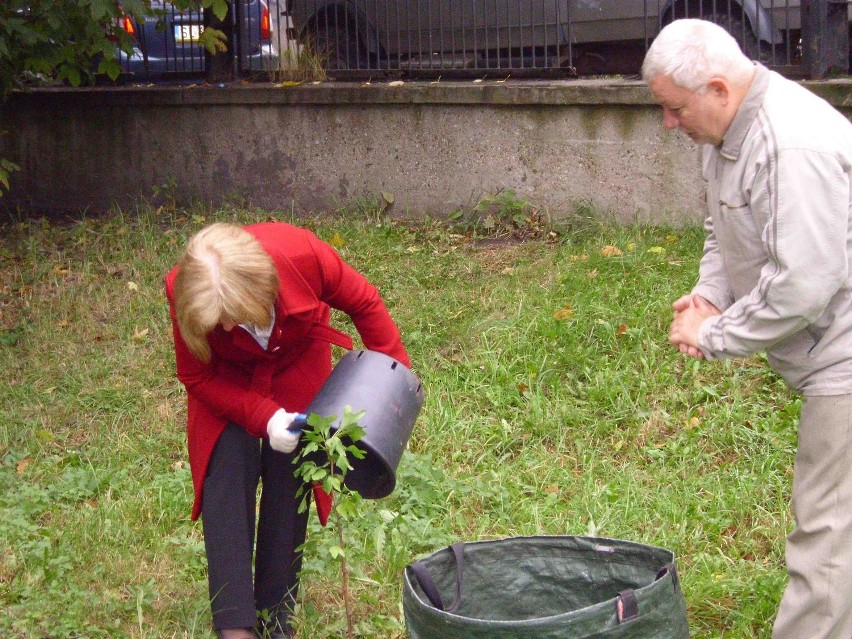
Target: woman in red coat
250 309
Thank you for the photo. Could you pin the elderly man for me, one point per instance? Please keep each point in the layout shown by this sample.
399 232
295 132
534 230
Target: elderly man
775 277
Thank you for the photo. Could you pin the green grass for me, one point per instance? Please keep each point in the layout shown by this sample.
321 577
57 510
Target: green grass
554 405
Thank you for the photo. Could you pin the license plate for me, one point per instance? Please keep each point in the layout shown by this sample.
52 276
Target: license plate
188 32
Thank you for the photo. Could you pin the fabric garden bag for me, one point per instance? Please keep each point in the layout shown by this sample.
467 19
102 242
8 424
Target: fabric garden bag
545 588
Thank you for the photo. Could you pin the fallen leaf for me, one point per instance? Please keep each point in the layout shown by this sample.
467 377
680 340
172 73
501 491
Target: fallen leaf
611 251
656 249
565 312
621 330
22 465
132 286
523 388
552 489
396 83
580 258
337 240
140 335
60 270
478 80
593 273
631 246
63 323
387 197
508 270
288 83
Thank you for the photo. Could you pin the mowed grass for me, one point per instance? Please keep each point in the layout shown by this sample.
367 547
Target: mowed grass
554 405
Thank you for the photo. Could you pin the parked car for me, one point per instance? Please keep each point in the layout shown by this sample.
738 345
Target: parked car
166 43
452 34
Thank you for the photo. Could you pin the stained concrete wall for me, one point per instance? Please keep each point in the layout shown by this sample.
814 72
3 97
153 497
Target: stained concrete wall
436 147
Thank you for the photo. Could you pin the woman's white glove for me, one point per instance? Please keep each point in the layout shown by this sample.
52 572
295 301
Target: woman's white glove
280 438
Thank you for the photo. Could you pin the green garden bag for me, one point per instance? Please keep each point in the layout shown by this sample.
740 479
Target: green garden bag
545 588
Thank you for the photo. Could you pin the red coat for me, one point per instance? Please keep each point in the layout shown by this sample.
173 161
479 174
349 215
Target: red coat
244 384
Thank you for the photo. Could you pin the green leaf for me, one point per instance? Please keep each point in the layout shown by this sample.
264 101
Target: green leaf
110 67
336 552
220 8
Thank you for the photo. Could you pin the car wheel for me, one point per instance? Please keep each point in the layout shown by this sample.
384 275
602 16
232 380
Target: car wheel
338 45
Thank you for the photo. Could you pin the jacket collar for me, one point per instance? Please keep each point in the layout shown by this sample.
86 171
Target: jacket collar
732 143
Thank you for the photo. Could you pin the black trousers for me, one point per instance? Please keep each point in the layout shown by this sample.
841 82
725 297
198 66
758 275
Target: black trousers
238 464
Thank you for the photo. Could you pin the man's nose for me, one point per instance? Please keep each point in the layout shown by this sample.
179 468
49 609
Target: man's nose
670 121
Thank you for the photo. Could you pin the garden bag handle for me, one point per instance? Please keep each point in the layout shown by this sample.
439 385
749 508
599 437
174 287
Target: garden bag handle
427 584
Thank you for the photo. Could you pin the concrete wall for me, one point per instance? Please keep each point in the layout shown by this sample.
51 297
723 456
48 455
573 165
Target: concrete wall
436 147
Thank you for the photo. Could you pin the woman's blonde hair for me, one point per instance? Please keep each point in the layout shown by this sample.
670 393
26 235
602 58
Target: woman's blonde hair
224 275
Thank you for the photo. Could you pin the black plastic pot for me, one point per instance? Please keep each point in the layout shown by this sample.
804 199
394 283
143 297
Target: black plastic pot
390 396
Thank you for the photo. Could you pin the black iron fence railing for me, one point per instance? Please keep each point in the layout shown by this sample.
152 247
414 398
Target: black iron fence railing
353 39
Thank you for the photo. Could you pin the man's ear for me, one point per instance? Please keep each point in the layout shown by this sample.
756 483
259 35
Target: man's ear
719 87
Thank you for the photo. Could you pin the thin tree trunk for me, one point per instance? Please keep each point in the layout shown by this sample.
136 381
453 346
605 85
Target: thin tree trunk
350 622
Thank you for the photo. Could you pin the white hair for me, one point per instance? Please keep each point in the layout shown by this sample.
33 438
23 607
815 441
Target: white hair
692 52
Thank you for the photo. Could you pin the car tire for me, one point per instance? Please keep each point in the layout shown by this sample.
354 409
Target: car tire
339 46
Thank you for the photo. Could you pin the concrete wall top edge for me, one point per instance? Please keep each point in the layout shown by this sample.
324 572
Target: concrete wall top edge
487 92
337 93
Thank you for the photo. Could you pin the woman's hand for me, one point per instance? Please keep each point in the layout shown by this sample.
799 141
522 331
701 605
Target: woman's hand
281 438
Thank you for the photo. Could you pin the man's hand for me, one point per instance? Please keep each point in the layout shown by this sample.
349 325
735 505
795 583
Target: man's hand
280 438
690 311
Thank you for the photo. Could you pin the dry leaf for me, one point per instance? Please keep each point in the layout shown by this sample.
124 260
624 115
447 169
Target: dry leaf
140 335
566 312
593 273
132 286
396 83
337 240
621 330
288 83
611 251
580 258
22 465
63 323
523 388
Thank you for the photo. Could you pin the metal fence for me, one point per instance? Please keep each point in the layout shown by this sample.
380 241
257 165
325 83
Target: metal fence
352 39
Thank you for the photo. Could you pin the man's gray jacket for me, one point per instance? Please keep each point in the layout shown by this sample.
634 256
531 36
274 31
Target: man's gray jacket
777 257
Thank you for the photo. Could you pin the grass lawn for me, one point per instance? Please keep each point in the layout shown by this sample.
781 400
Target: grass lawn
554 405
